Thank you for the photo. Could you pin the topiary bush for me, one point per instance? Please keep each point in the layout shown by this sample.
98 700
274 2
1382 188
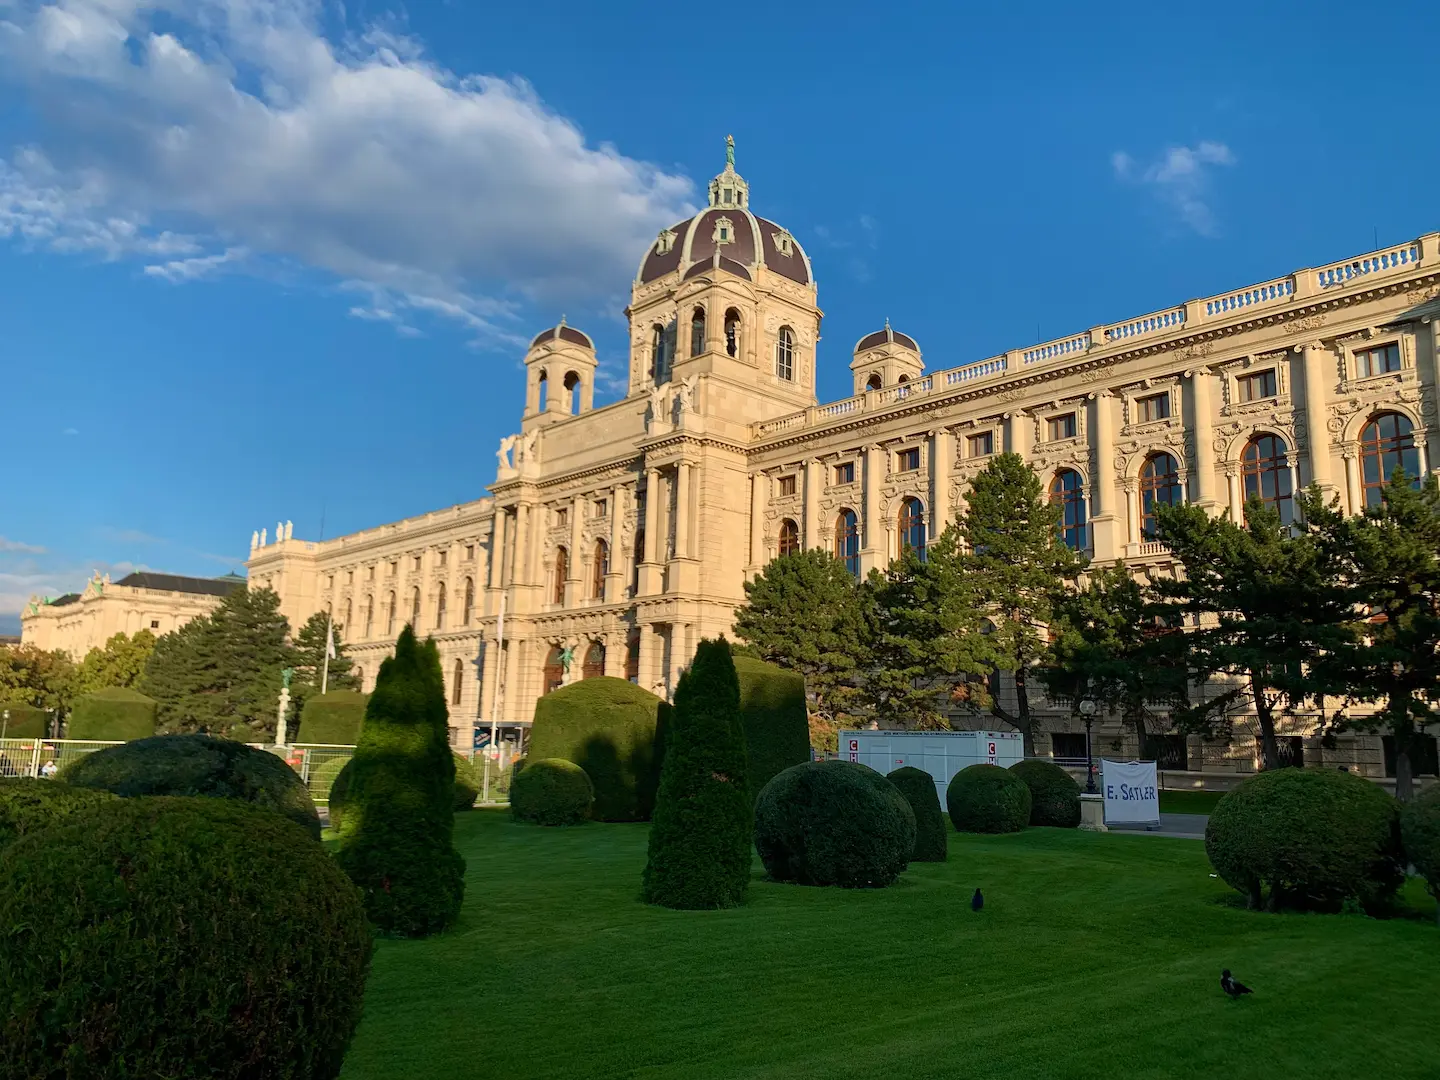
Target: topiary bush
332 719
699 853
1313 838
1420 837
834 823
776 721
398 822
613 730
29 805
197 765
466 790
113 715
467 784
26 722
552 791
200 937
1054 794
988 799
931 832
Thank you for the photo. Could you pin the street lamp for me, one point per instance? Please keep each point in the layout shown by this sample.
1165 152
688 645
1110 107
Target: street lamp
1087 710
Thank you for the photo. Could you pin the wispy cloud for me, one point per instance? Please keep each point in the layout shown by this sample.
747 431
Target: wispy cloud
17 546
1180 178
182 270
70 431
854 240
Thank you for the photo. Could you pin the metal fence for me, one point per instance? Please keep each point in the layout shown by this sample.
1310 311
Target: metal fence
43 757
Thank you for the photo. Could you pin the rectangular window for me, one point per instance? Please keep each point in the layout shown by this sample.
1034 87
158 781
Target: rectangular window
562 517
330 582
417 562
1377 361
394 568
1154 407
370 573
442 557
981 445
469 551
601 508
349 577
1062 427
908 460
1068 745
845 474
154 624
1257 387
787 486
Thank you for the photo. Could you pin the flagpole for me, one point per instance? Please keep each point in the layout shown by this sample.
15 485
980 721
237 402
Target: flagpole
496 696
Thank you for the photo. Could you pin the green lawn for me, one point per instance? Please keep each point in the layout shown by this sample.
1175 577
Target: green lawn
1189 802
1095 956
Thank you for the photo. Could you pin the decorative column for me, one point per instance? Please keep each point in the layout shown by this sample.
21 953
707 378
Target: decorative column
1233 492
614 579
1017 429
759 485
1204 432
942 456
870 553
682 510
1104 505
812 504
1317 436
573 572
514 688
497 547
1132 513
648 576
1353 498
520 569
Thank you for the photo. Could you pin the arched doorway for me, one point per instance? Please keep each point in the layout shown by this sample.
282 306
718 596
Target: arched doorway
594 665
553 676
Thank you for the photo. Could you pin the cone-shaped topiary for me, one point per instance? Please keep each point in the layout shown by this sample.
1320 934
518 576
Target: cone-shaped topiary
1420 835
1054 794
29 805
552 791
700 838
931 831
988 799
395 838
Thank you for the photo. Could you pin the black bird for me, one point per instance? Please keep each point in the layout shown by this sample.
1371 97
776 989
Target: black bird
1232 986
977 901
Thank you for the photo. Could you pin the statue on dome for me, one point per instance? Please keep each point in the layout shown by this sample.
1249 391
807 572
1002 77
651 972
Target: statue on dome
730 151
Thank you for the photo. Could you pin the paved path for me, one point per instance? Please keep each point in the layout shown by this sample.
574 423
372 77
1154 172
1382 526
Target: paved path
1185 826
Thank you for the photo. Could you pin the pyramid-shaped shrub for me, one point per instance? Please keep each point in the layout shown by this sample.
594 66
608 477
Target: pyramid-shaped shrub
701 834
395 839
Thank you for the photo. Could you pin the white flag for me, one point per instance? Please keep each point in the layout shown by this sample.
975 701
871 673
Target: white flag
330 640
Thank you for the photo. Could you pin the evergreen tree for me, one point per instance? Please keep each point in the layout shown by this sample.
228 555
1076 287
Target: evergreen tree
700 835
310 647
1262 602
804 613
396 836
121 663
1014 566
1391 554
921 636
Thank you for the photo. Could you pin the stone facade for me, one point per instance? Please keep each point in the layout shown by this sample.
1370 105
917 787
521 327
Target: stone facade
618 536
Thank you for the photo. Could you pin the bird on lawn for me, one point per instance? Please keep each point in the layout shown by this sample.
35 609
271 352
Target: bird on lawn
1232 986
977 901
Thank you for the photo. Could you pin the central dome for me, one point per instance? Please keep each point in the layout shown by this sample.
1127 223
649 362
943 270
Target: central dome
726 236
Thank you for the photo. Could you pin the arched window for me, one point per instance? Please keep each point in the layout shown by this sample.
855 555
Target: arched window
847 540
874 382
348 610
1387 442
599 568
789 537
440 609
469 601
912 527
785 355
1159 486
390 616
632 655
369 615
415 609
562 571
457 680
553 674
659 361
1068 490
732 332
1266 472
594 665
572 393
697 331
544 389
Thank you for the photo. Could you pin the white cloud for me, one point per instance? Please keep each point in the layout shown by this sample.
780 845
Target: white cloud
1180 178
21 580
70 431
17 546
184 130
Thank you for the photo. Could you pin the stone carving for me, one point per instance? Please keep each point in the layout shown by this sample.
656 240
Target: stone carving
657 401
289 529
686 393
1420 296
1308 323
262 537
502 455
254 540
529 449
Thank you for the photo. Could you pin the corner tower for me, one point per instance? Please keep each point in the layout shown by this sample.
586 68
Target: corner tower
559 375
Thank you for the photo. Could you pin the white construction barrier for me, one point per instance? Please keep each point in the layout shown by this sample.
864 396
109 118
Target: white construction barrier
940 753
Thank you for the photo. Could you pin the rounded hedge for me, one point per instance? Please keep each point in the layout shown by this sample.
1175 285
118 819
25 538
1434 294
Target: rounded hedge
201 937
1054 794
467 783
339 774
613 730
1420 836
25 722
27 806
775 718
332 719
931 832
197 765
988 799
552 791
113 715
1314 838
833 823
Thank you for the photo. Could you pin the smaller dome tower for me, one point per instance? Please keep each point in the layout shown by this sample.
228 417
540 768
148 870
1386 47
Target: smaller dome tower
559 375
885 358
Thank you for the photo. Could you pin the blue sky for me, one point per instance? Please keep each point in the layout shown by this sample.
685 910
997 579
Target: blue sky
269 259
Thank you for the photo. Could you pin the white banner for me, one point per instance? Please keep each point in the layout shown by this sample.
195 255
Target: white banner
1132 792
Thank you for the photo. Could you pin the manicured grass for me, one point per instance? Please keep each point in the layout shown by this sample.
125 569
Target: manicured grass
1095 956
1189 802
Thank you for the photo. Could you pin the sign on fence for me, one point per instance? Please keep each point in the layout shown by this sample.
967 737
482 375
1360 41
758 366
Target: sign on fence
1132 792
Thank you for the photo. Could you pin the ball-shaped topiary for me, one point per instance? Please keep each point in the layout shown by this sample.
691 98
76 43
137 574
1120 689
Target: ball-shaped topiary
1054 794
552 791
201 937
931 831
1314 838
775 718
834 823
988 799
116 713
29 805
1420 837
197 765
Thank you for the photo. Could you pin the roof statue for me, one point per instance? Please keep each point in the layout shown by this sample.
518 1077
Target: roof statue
730 150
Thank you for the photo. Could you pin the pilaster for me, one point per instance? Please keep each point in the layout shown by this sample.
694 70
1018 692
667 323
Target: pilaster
871 551
650 569
759 485
813 531
1203 425
1106 526
942 456
614 580
1017 433
684 571
1315 358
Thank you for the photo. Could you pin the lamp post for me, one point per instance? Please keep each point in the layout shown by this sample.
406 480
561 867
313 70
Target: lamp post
1087 710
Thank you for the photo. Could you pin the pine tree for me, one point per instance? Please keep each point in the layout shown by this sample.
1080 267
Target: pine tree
396 836
1014 564
121 663
700 836
310 647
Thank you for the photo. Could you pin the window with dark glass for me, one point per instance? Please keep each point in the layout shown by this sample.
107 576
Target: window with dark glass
732 332
1387 443
1257 386
697 332
440 609
1265 469
845 473
1062 427
908 460
912 526
1377 361
789 537
981 444
785 354
787 485
457 681
1159 486
562 516
1154 407
601 508
469 601
1068 491
562 571
599 568
847 540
